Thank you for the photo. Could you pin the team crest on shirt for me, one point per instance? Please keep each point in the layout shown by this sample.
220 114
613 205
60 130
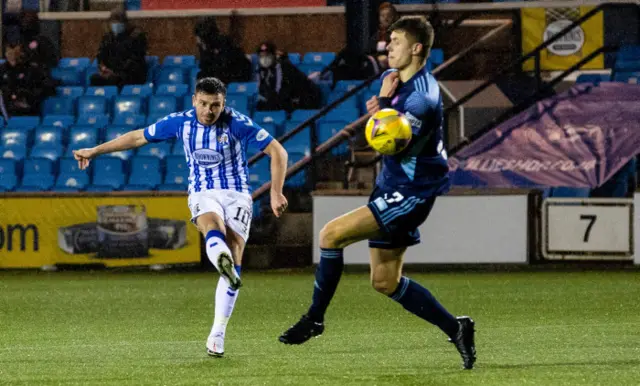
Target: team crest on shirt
223 139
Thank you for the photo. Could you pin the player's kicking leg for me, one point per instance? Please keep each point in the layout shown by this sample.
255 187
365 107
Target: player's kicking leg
212 227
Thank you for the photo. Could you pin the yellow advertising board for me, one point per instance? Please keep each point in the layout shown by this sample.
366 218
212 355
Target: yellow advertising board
541 24
114 231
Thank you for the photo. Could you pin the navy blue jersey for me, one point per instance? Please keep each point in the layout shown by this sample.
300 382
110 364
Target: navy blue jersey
422 168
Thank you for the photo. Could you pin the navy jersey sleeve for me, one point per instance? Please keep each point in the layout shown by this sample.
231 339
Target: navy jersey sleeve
166 128
252 134
419 109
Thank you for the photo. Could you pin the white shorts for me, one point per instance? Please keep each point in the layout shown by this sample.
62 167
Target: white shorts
235 208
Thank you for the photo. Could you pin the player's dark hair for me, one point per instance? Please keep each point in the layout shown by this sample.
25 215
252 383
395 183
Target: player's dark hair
211 86
419 28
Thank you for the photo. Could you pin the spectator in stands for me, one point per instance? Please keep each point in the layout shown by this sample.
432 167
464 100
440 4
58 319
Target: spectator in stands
121 56
24 84
281 86
219 56
39 49
387 15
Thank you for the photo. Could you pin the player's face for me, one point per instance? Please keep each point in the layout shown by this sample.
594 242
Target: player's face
208 107
401 49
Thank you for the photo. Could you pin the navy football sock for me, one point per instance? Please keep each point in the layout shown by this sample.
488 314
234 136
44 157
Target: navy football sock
327 278
419 301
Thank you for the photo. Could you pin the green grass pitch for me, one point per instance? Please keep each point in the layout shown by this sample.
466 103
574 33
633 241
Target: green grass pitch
540 328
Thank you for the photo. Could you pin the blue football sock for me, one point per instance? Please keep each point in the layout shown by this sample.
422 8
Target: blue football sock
327 278
419 301
238 268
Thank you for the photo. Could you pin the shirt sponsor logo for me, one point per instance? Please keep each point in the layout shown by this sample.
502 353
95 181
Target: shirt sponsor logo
206 157
415 122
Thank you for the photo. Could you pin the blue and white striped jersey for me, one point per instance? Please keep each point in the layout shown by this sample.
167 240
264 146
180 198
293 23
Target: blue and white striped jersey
217 154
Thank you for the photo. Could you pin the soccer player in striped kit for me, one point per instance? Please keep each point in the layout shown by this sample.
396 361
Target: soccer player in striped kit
215 141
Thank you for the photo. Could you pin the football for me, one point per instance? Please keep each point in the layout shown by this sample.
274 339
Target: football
388 132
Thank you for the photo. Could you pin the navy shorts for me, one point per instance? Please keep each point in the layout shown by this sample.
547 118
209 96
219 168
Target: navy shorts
399 217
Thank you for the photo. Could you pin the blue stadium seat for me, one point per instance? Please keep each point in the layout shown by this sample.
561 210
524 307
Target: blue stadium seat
152 60
629 65
145 171
247 88
187 102
302 115
341 114
193 79
73 92
101 188
133 120
138 187
171 75
593 78
300 178
276 117
155 149
172 187
326 130
127 105
37 165
349 104
176 90
179 61
114 132
141 90
67 76
57 106
69 166
344 86
107 166
24 123
48 136
104 91
38 181
13 152
13 137
114 181
92 105
294 58
260 172
176 164
436 58
627 77
74 181
51 152
88 74
629 53
63 121
77 64
271 128
309 68
322 58
160 106
375 86
65 189
299 143
83 136
8 177
239 102
178 149
93 120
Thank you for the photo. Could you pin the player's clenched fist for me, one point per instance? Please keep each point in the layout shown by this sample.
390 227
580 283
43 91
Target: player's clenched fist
389 85
372 105
278 203
83 156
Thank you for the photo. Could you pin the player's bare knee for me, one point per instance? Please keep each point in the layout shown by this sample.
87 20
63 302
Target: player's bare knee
384 285
330 236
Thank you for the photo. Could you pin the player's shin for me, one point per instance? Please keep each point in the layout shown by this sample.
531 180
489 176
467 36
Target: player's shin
225 301
221 257
328 275
419 301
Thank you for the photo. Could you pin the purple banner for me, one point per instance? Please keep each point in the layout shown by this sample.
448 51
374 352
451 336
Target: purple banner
578 139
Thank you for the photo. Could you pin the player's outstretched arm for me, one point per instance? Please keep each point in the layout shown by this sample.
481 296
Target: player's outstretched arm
130 140
279 159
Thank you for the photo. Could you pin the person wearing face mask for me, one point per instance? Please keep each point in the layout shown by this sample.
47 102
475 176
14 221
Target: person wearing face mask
39 49
281 86
219 56
24 84
387 15
121 56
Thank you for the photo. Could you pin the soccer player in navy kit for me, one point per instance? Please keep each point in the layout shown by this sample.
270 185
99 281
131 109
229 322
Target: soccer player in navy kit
404 194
